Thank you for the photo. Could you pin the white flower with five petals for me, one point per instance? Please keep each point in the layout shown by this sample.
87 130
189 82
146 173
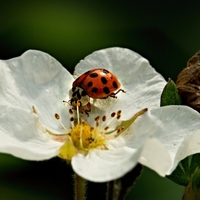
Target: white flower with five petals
35 124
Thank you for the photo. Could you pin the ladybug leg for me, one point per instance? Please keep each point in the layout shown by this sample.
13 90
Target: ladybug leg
69 102
78 106
113 95
64 101
88 109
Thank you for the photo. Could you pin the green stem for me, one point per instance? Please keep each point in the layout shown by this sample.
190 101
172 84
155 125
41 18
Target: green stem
128 180
79 188
110 190
191 194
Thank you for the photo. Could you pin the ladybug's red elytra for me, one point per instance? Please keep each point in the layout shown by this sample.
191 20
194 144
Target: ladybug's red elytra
96 83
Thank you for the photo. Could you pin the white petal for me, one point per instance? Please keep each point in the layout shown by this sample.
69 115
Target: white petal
170 130
190 145
143 85
164 135
23 136
105 165
35 79
156 156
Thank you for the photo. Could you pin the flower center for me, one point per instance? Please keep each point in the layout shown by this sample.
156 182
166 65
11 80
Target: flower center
85 137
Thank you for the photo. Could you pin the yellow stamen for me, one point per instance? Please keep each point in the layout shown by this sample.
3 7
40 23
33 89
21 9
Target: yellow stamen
82 138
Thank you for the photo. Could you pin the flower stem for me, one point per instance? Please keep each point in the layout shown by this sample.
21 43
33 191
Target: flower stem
79 188
110 190
191 194
128 180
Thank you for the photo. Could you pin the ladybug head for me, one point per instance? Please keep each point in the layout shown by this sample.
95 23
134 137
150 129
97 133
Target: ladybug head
78 94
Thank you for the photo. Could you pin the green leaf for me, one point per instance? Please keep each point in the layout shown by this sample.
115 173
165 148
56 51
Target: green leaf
187 172
179 176
170 95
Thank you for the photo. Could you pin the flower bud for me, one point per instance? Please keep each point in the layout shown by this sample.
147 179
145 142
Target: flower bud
188 83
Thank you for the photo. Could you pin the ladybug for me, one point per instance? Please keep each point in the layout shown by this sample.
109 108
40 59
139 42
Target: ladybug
96 83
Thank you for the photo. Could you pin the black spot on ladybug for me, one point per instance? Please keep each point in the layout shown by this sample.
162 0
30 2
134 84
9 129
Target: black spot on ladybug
115 84
106 90
87 72
94 89
104 80
94 75
106 71
83 93
90 84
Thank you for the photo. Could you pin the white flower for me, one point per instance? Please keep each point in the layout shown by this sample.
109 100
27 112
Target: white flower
35 124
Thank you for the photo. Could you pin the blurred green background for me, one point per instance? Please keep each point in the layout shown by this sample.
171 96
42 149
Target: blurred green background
165 32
